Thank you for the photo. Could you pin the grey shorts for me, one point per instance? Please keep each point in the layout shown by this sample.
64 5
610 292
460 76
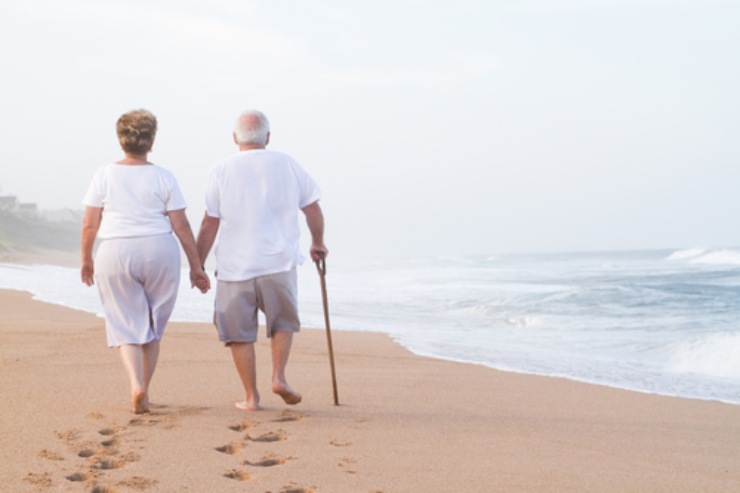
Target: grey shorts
238 302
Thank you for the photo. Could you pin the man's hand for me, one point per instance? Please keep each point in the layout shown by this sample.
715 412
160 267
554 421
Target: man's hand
318 252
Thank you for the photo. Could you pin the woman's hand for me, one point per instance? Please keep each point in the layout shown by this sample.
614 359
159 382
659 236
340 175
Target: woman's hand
199 279
87 272
90 226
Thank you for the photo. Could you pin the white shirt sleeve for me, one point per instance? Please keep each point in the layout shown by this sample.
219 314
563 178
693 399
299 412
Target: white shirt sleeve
309 190
213 199
94 195
174 200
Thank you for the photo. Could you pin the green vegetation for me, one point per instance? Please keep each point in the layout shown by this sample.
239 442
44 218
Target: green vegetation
26 234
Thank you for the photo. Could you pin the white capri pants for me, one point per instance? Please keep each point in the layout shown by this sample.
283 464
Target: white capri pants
138 280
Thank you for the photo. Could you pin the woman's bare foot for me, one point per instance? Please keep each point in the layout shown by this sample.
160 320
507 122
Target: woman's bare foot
290 396
140 402
247 406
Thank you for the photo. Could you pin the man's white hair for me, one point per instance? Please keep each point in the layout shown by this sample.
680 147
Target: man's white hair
252 128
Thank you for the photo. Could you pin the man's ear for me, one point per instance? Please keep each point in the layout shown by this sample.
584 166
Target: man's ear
234 136
267 141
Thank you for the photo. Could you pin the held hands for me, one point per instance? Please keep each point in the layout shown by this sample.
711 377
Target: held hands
199 279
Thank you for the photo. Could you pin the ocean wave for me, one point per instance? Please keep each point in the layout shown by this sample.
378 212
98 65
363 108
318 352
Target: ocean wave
523 322
720 257
716 355
701 256
686 254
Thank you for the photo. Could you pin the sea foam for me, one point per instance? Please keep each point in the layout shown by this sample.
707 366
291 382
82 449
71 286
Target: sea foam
716 355
707 257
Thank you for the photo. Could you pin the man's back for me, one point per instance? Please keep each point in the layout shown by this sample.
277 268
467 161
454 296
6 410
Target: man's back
257 194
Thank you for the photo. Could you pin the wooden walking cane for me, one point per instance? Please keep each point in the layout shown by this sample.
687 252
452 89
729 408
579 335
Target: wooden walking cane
321 267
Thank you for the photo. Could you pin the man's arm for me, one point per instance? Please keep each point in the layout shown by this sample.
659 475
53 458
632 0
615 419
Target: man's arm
315 222
206 236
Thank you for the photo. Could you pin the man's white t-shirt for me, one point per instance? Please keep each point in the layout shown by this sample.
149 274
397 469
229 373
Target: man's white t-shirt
256 195
135 200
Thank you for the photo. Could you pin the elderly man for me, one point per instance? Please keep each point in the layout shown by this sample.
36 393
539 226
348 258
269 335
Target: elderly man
253 198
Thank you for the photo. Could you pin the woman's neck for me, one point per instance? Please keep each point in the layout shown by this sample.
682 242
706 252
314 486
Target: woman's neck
134 159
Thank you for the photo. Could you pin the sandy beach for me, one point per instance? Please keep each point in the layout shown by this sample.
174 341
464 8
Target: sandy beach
404 424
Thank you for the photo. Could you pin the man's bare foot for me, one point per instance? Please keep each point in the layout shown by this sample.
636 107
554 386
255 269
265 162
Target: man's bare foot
140 403
247 406
290 396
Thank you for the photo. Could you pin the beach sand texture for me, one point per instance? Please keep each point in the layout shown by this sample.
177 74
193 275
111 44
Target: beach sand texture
405 423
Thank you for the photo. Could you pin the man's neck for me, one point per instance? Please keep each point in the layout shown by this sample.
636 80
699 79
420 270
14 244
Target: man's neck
250 147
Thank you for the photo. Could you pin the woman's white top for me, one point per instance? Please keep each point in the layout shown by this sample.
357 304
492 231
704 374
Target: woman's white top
135 200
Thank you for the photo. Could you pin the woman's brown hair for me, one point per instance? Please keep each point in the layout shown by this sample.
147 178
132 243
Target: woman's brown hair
136 130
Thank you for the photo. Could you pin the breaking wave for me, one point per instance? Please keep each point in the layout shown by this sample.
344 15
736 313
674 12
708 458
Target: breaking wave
711 257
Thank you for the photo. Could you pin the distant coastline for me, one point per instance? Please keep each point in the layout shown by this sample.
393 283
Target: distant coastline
23 234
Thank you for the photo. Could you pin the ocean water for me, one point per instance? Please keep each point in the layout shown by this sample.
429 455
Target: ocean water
665 322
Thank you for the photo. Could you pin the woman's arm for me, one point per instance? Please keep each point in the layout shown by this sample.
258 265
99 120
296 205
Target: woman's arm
181 227
90 227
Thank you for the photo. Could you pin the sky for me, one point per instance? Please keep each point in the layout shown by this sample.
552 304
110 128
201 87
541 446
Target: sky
434 128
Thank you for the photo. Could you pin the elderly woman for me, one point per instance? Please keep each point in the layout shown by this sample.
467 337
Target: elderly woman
133 206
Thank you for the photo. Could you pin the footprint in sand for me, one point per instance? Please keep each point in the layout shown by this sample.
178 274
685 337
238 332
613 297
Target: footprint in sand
165 416
79 476
112 442
272 436
231 448
96 457
108 448
289 415
144 421
243 426
106 432
99 457
40 480
103 489
340 444
236 474
46 454
106 463
296 489
347 461
68 436
267 461
138 483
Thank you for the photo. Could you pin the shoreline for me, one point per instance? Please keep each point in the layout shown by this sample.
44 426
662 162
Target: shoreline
68 259
405 422
42 256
